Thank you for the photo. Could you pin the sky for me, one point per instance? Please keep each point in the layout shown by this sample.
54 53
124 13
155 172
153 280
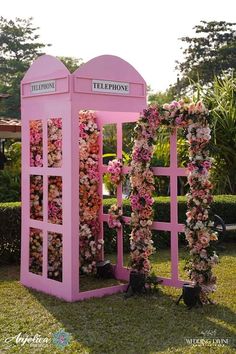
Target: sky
143 32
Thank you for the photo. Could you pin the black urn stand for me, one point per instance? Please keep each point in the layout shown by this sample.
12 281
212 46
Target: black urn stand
191 296
136 284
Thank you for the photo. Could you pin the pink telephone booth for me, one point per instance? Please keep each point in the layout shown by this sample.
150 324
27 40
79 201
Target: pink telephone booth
51 99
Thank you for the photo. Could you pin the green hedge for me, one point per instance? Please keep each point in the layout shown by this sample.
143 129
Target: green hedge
10 220
223 205
10 230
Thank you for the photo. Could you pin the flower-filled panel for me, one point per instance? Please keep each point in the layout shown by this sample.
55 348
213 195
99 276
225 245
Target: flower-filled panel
36 197
55 142
55 256
36 251
55 199
36 143
90 200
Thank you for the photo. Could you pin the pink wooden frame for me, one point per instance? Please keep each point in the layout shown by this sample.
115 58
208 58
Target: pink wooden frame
173 171
118 119
73 92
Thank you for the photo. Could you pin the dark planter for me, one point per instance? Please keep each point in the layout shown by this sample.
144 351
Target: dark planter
191 295
137 282
104 270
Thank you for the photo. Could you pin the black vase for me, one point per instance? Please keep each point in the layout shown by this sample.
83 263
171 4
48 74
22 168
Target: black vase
104 270
137 282
191 295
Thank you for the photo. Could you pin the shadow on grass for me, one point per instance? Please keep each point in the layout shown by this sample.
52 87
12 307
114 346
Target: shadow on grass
144 324
9 272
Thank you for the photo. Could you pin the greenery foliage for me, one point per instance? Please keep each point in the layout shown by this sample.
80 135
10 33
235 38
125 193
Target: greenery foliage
10 231
19 46
160 98
209 53
220 98
10 176
71 63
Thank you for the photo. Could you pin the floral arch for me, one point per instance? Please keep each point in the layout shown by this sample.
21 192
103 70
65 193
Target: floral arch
194 118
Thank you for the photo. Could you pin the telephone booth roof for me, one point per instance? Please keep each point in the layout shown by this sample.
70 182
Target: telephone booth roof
106 66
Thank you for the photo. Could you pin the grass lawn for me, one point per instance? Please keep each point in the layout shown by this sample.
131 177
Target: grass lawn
146 324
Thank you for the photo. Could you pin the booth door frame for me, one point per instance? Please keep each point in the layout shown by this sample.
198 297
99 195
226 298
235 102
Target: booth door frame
172 171
117 118
173 226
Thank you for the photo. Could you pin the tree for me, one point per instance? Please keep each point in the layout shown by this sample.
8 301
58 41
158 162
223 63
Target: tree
71 63
19 46
160 97
208 54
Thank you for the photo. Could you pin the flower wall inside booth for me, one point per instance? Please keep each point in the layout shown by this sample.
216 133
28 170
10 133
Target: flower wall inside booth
36 143
54 142
36 197
90 200
55 199
54 205
194 118
36 251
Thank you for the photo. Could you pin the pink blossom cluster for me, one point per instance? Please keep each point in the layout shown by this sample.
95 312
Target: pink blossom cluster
36 143
115 171
90 200
55 199
115 218
36 251
36 197
55 142
193 117
55 256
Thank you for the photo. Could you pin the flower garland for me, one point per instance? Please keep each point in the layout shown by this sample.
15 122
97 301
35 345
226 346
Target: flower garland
90 201
142 184
199 198
194 117
115 218
115 171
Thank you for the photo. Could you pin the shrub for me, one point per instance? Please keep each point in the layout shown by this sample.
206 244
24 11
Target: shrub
10 177
10 231
223 205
